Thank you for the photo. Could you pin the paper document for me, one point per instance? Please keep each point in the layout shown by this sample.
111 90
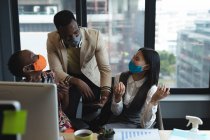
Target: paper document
136 134
178 134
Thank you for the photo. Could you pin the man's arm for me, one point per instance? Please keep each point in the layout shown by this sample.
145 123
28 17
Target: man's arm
102 59
56 65
54 61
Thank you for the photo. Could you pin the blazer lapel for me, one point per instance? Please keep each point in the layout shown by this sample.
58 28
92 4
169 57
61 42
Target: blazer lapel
85 52
63 55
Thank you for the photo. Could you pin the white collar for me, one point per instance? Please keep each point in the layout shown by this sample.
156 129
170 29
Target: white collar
137 83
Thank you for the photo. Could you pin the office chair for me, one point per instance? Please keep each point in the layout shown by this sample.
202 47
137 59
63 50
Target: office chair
159 120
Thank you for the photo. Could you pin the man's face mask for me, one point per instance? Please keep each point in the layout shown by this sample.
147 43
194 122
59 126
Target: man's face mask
133 68
38 65
73 42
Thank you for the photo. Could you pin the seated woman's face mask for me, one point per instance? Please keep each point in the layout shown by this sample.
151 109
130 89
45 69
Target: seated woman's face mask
133 68
38 65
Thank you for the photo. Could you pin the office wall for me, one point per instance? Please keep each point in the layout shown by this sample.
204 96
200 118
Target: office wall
176 107
179 109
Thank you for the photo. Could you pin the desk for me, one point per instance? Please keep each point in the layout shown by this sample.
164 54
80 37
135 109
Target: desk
164 135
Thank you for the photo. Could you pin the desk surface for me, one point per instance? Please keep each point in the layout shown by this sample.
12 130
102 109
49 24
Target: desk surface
164 135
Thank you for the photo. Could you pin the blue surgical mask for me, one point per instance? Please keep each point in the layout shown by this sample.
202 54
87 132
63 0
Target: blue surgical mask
133 68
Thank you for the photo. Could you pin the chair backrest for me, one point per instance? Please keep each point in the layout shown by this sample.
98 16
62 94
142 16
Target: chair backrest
159 119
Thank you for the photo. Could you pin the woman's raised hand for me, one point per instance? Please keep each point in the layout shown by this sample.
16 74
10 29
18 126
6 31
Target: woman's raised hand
119 91
162 92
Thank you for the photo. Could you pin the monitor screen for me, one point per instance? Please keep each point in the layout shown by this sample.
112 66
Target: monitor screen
40 102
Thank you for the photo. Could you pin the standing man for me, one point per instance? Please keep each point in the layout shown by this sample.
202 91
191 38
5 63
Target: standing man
79 57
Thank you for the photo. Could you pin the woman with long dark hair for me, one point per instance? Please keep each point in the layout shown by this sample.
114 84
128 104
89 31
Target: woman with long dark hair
136 92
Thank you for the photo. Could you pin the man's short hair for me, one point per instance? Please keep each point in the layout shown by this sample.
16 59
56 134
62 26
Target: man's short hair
63 18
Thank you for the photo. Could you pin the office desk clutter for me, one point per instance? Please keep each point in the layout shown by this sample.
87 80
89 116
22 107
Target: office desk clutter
106 134
178 134
195 121
83 134
193 134
163 134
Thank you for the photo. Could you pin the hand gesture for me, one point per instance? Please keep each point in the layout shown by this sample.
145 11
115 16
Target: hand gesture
162 92
119 91
87 93
63 94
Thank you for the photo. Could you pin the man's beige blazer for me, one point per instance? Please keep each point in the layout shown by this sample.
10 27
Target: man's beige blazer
94 60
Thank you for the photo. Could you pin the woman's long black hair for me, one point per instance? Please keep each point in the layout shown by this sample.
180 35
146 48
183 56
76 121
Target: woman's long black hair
153 60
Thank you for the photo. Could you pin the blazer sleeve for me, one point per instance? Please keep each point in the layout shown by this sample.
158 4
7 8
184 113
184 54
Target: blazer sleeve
55 62
102 59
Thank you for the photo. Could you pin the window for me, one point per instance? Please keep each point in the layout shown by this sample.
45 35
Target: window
36 21
122 24
183 42
181 34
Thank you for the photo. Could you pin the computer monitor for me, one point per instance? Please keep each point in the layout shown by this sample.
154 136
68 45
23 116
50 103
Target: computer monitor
40 102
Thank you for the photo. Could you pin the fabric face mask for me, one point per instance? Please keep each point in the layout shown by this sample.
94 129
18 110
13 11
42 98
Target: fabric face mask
133 68
76 40
38 65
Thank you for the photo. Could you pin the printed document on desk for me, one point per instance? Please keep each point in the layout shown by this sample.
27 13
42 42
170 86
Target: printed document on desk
136 134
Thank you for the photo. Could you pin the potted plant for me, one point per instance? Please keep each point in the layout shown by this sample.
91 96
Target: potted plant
106 134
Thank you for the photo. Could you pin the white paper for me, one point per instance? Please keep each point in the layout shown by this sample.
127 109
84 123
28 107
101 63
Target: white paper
136 134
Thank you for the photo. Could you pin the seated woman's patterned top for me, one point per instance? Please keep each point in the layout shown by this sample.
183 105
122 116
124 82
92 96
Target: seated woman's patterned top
64 122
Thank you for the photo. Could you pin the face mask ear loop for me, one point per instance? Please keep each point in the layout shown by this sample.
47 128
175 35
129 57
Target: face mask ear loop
26 68
62 43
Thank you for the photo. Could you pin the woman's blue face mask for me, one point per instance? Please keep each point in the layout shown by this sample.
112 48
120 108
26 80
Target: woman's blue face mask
133 68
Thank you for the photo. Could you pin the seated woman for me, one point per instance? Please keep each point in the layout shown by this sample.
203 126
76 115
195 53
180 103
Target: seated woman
28 66
135 94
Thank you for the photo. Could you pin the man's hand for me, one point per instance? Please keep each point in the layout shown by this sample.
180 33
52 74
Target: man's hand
85 90
161 93
63 94
119 91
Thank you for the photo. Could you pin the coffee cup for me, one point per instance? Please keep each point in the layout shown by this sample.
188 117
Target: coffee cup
83 134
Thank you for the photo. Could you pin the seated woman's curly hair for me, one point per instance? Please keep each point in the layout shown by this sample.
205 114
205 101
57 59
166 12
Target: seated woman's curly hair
15 64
